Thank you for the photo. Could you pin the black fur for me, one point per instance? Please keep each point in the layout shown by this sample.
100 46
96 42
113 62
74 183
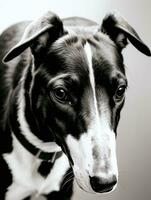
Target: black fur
6 177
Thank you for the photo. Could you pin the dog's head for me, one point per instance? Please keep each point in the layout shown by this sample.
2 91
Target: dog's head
78 88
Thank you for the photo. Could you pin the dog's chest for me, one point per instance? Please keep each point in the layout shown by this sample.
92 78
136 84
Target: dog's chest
26 178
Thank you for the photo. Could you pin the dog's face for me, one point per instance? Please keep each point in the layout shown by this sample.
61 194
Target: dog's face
78 89
86 86
83 94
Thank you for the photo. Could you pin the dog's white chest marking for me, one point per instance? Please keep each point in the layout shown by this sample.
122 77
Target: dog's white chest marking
26 180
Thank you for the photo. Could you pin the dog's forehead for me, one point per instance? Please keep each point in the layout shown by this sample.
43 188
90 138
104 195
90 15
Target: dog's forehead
105 54
71 52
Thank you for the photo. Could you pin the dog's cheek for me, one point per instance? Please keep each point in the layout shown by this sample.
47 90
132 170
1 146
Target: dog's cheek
115 116
80 150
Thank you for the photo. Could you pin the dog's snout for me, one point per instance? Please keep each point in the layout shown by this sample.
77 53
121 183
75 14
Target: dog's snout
101 184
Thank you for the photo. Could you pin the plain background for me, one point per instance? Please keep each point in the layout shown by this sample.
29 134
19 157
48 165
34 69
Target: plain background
134 132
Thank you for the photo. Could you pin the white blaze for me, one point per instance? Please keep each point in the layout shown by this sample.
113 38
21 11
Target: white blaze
91 76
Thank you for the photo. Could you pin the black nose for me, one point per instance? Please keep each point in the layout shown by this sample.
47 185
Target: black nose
102 185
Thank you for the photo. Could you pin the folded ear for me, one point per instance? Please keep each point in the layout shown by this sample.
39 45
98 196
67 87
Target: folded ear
37 35
119 31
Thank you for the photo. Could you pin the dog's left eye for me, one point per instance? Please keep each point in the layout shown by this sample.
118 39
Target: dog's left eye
60 94
120 92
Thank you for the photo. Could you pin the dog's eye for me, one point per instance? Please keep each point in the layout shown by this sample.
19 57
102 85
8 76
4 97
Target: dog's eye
60 93
120 92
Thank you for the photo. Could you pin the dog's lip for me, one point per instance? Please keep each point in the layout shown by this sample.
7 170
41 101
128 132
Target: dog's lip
84 189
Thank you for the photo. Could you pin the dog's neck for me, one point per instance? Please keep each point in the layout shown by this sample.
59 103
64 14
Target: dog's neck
24 124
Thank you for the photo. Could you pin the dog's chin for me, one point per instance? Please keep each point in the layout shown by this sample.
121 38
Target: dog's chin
85 189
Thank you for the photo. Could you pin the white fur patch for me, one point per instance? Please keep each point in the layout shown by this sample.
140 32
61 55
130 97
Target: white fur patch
26 179
92 78
81 154
54 179
24 170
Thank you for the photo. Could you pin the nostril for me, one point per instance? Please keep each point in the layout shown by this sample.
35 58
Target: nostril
102 185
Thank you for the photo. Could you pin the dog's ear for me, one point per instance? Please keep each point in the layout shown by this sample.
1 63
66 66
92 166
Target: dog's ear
37 35
119 31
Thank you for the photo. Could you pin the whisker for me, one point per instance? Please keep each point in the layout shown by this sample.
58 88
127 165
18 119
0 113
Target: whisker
68 181
68 187
68 174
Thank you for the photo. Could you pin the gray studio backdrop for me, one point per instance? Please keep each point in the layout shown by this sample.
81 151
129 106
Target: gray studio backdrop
134 132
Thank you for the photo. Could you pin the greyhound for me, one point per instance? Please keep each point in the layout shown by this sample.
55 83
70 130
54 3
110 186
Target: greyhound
62 87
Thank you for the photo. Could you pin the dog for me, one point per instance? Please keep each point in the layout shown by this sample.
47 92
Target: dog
62 87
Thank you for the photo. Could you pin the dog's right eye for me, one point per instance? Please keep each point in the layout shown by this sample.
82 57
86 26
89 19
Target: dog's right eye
60 94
